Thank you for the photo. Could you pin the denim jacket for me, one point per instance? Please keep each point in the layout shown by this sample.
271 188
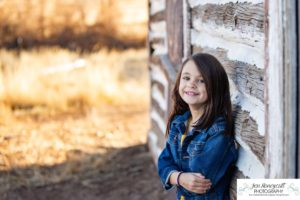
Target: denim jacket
208 152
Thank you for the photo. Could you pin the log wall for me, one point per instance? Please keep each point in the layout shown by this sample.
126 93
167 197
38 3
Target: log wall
232 31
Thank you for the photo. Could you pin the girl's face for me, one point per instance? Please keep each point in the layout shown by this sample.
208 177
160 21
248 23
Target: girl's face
192 88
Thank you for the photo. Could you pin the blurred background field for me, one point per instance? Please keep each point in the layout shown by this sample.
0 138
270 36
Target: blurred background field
73 24
62 79
74 100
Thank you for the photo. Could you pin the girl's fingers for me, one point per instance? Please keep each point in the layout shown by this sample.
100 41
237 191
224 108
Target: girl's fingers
199 175
195 182
201 180
199 190
201 186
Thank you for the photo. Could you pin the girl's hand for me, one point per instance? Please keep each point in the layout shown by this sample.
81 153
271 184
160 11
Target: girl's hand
194 182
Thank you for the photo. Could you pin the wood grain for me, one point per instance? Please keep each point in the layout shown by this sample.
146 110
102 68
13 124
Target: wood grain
242 16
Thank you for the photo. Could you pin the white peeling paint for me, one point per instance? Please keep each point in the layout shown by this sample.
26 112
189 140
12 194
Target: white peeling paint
158 30
235 51
194 3
152 141
157 6
251 104
248 36
160 122
248 163
159 98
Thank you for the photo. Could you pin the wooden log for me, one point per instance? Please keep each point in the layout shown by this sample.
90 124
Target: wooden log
161 122
157 40
157 107
242 16
246 128
246 36
194 3
159 134
169 70
152 141
236 49
159 16
158 85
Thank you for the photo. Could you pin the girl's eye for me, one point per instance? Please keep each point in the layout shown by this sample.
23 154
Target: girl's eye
200 81
186 78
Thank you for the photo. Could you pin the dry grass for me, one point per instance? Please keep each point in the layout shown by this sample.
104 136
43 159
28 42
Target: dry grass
64 113
36 78
62 125
75 24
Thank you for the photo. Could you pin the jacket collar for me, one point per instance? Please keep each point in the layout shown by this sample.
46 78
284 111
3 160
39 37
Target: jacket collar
182 118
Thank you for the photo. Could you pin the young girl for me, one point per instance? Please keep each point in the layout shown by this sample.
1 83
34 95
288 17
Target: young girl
200 149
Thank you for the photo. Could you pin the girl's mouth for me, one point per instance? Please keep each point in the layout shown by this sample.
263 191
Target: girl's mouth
191 93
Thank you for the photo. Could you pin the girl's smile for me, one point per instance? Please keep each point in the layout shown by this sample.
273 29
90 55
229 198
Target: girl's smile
191 93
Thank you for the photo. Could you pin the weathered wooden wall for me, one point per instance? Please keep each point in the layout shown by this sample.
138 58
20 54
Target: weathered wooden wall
234 32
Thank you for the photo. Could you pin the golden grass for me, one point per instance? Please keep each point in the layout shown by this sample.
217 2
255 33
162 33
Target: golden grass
106 76
64 125
58 123
88 25
61 124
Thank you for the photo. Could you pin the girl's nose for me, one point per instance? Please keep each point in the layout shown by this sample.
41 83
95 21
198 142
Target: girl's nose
192 84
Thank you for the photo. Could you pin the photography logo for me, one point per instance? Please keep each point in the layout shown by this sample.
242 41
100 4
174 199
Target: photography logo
264 189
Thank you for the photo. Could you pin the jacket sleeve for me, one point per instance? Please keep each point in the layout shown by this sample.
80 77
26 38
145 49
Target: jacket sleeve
217 156
166 166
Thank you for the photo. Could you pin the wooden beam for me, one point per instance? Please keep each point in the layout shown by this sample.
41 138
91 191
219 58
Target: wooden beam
281 89
186 29
174 20
290 87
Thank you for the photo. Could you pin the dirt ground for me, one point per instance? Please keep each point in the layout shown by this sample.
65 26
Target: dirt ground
129 175
123 169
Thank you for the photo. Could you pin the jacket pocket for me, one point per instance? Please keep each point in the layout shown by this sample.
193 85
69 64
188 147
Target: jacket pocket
195 148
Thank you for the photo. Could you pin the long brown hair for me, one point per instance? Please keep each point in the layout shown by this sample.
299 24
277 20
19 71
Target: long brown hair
217 87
